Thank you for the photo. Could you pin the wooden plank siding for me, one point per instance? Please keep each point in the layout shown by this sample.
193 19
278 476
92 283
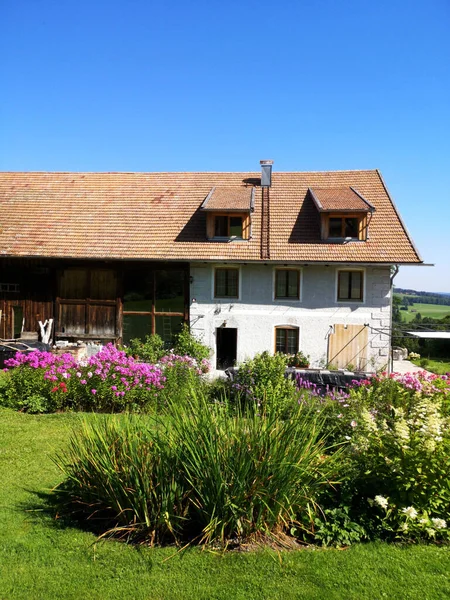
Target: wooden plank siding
85 298
347 345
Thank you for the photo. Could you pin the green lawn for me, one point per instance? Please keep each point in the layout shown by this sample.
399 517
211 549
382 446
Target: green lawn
42 558
435 311
435 365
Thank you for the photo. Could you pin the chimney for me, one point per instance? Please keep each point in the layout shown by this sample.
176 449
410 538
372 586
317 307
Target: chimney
266 182
266 172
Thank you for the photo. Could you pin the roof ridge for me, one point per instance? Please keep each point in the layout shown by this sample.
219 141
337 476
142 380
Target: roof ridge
183 172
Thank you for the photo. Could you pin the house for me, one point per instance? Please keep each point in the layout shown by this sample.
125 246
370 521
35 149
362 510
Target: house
252 261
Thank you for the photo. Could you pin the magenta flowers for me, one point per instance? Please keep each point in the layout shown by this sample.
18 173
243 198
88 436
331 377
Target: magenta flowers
110 380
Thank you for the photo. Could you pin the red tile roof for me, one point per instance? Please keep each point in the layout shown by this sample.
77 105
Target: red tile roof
339 199
158 216
229 199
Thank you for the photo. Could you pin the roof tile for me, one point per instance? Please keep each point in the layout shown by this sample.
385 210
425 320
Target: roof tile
159 216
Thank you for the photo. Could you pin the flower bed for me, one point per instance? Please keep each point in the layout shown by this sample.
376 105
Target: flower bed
396 430
109 381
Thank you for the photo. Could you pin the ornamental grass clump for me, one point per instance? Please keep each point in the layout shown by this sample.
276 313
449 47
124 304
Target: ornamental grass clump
201 473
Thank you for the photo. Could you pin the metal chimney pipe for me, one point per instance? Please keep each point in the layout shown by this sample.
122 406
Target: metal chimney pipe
266 172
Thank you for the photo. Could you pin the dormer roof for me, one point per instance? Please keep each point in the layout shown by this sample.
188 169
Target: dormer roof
340 199
230 199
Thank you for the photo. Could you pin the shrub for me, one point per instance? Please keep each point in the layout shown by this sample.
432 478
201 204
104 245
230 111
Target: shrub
199 474
186 344
151 350
182 377
335 527
261 383
399 449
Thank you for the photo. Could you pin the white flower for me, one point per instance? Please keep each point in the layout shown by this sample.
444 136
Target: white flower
410 512
439 523
381 501
353 423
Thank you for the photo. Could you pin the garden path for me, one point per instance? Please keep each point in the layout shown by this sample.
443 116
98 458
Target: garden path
406 366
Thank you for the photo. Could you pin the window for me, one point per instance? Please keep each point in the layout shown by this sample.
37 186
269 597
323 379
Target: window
9 287
228 226
226 283
350 285
154 301
343 227
287 283
286 340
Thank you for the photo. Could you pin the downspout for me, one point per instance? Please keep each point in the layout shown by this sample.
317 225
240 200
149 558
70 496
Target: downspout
394 274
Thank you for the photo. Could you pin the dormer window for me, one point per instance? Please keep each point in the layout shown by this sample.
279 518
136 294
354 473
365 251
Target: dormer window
228 213
229 226
344 213
344 227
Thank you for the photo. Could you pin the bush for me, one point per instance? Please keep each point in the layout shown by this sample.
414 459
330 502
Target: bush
399 450
198 474
182 377
186 344
151 350
261 383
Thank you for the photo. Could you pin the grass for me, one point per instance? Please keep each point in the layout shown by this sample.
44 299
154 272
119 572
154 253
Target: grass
435 365
42 557
434 311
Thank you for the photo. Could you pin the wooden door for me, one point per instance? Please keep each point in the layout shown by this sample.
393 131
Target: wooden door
347 345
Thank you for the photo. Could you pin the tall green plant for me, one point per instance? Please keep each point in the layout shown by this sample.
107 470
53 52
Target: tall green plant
261 382
186 344
198 472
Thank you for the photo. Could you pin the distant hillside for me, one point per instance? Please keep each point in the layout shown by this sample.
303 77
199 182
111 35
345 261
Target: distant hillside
416 297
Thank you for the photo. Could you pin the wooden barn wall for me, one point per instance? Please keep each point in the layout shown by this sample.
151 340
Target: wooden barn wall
42 289
29 285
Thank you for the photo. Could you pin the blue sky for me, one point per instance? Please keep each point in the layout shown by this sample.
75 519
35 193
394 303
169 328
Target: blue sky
138 85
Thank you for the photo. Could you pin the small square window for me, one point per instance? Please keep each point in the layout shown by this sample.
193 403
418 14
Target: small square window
287 283
343 227
286 340
350 285
228 226
226 283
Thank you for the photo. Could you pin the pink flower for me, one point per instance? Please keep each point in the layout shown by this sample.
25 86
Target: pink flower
93 392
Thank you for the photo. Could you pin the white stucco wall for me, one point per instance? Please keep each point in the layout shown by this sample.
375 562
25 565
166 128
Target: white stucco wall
256 313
